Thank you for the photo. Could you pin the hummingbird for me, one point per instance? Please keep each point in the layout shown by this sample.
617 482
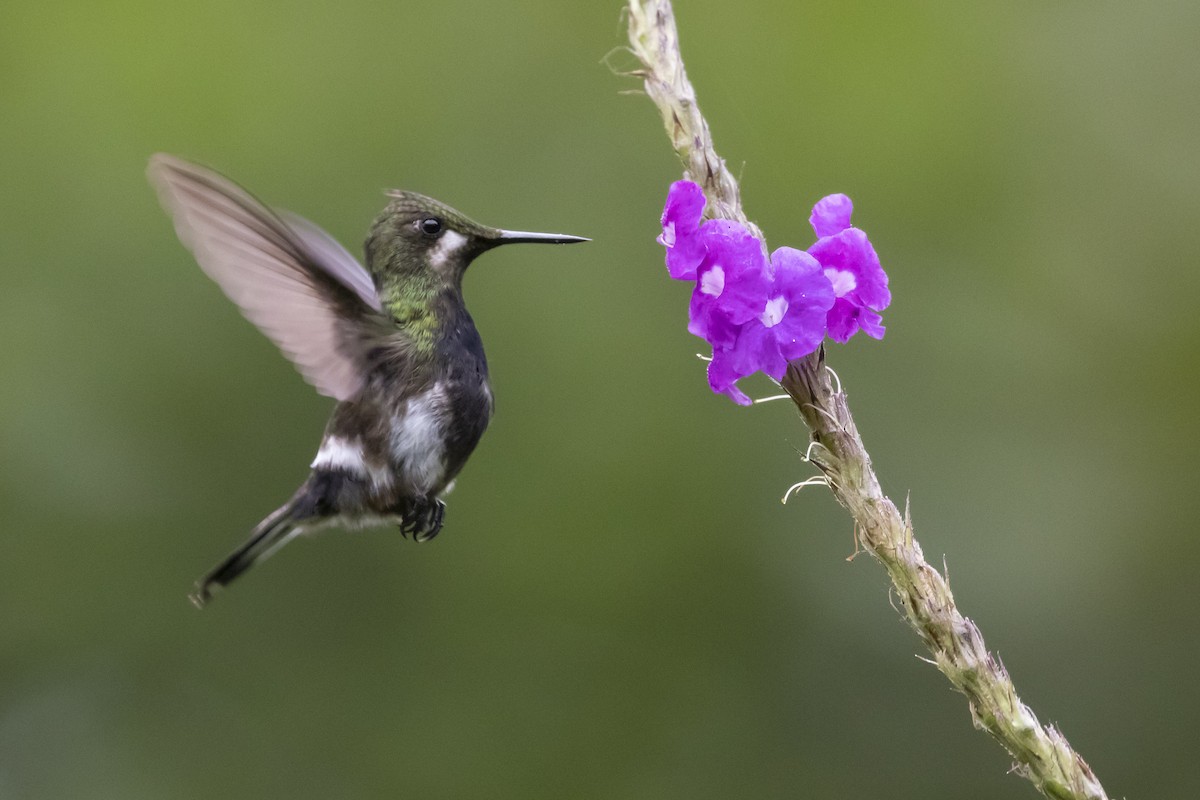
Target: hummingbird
392 343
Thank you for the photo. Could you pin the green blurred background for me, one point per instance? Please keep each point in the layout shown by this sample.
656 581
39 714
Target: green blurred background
619 606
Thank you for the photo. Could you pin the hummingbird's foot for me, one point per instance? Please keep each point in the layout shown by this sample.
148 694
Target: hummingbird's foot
423 519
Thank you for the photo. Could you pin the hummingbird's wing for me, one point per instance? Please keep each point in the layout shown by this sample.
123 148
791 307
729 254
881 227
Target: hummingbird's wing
290 278
332 257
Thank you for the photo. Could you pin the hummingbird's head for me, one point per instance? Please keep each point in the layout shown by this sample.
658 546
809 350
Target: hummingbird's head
417 234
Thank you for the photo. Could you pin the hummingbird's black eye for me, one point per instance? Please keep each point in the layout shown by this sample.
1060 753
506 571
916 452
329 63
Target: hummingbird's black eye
430 226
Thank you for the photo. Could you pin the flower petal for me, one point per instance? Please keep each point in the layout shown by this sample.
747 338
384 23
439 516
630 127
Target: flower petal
739 255
851 251
681 229
831 215
722 378
708 320
801 280
731 282
869 323
842 320
757 349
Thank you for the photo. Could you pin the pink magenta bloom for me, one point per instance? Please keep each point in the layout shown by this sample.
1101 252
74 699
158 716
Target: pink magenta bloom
731 282
850 263
681 230
788 323
758 313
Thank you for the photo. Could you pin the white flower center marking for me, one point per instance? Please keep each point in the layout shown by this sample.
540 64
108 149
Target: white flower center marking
712 282
668 235
843 281
773 312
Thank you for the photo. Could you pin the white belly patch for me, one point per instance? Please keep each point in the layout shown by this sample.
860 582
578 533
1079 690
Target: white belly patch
417 442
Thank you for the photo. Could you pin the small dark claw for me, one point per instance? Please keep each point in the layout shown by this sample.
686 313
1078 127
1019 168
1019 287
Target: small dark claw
422 518
434 514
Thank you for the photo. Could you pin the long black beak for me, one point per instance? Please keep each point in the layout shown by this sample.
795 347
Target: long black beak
516 237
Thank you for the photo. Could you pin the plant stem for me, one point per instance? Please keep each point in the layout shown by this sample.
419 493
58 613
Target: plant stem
1042 753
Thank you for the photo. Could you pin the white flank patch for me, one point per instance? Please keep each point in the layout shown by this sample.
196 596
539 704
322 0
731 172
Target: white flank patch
450 243
338 453
417 439
346 455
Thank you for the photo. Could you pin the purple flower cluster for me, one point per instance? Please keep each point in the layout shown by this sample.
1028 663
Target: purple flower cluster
759 313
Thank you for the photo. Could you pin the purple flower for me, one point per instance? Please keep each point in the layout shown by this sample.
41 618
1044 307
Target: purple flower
831 214
681 229
788 323
758 313
731 282
723 257
850 263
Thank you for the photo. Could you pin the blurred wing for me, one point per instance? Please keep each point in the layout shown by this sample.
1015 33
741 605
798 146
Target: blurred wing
290 278
333 258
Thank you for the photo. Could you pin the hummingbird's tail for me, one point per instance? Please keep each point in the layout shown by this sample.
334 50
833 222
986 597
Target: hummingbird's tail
270 535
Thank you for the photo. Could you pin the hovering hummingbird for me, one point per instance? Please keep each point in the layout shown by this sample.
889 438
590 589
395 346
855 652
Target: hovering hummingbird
392 343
